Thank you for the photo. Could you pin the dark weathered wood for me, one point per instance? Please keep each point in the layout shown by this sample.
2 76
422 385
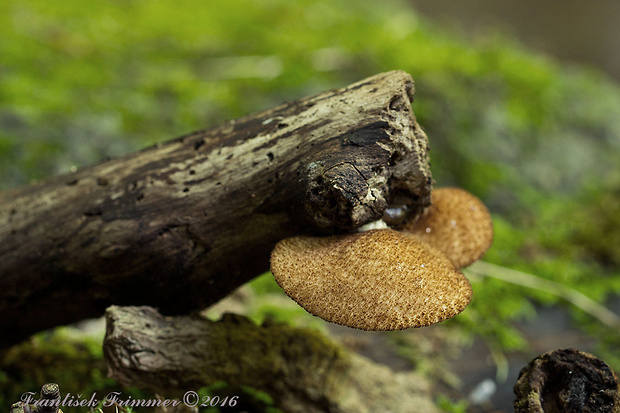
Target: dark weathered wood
180 225
566 381
302 370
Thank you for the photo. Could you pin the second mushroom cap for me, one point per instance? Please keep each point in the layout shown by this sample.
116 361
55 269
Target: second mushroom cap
457 223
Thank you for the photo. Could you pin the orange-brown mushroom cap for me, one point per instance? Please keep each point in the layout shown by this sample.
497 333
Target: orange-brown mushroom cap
374 280
457 223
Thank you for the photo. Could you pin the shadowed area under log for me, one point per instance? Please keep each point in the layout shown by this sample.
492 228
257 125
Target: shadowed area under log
302 370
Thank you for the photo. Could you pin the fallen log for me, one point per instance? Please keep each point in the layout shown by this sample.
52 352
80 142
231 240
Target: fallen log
302 370
180 225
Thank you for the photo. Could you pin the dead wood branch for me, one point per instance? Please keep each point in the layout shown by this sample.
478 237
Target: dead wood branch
302 370
180 225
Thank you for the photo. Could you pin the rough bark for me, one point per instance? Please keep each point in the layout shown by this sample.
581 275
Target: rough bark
302 370
180 225
567 381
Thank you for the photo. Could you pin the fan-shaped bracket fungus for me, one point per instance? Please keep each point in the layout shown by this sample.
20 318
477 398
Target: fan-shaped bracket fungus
383 279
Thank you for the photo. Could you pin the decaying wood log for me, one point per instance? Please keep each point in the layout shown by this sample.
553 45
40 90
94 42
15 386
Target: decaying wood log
302 370
180 225
567 381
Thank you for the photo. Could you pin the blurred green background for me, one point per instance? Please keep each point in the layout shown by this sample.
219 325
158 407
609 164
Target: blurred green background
538 141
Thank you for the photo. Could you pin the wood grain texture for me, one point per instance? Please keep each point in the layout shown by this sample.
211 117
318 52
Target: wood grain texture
302 370
180 225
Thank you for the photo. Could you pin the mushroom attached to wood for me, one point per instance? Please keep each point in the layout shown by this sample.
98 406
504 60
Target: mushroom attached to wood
457 223
373 280
382 279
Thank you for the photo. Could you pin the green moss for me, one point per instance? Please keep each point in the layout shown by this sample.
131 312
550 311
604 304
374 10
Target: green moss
447 405
73 361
